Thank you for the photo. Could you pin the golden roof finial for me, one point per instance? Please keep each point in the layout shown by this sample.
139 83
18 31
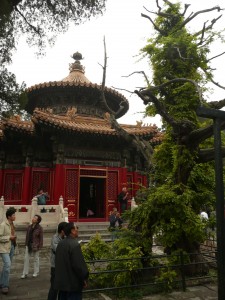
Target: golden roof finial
76 70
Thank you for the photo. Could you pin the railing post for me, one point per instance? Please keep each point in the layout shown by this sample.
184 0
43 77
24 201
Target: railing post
34 208
182 271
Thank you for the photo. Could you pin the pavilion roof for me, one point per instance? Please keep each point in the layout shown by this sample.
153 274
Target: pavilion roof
73 122
76 83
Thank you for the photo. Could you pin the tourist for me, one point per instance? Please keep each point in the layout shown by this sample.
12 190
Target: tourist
71 272
7 247
42 197
52 294
123 197
33 243
115 220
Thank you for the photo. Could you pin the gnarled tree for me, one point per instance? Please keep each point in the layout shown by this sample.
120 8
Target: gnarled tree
183 170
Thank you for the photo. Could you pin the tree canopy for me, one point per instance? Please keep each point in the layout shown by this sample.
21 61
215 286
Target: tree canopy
182 175
40 21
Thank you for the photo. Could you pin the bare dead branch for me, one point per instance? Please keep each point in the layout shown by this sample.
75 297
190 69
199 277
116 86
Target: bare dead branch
202 34
101 65
216 56
184 58
154 25
198 13
159 13
103 100
139 72
208 27
122 90
217 84
168 2
148 97
159 7
212 80
185 9
105 65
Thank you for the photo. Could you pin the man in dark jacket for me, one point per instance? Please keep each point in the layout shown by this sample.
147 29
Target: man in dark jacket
71 272
123 197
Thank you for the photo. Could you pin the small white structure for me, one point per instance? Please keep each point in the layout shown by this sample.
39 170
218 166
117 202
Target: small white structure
133 204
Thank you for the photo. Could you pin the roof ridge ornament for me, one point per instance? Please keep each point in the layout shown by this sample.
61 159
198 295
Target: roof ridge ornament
77 66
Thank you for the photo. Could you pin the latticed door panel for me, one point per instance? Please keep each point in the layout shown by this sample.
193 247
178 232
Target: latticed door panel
71 193
40 180
112 190
71 187
13 186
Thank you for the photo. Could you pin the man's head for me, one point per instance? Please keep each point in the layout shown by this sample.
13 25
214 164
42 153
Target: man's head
61 228
71 230
114 211
124 189
10 214
36 219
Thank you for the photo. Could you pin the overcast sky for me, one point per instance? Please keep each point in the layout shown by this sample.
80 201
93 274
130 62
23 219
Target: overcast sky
126 33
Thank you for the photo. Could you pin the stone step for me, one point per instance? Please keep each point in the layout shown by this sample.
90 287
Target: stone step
86 231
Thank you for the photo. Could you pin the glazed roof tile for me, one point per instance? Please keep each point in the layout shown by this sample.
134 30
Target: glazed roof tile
16 124
88 124
77 124
68 83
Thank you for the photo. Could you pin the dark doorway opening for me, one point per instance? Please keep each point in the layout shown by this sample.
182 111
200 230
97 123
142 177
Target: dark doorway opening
92 198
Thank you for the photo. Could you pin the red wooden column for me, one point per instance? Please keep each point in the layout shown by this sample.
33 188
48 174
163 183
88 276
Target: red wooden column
58 183
122 181
26 192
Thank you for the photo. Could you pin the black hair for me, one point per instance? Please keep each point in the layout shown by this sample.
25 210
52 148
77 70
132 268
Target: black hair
62 226
39 218
69 227
10 211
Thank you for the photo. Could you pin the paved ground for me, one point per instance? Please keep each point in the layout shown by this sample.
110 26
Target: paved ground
37 288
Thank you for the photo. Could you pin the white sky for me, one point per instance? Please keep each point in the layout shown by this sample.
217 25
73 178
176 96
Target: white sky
126 33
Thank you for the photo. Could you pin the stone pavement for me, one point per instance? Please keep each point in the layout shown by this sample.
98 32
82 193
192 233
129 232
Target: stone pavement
37 288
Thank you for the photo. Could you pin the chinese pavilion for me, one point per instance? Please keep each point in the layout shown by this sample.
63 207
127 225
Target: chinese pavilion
70 148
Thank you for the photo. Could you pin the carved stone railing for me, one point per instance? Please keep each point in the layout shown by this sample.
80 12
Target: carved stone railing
51 214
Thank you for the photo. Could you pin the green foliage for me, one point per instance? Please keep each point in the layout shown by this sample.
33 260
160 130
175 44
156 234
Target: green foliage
119 253
96 248
167 278
180 184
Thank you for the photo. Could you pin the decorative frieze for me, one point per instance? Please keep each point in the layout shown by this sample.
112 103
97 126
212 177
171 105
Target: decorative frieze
81 153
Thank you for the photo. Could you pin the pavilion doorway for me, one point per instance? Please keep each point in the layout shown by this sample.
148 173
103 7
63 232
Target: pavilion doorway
92 198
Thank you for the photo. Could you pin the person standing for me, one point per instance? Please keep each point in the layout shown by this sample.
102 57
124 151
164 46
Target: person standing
71 272
52 294
123 197
7 247
33 243
42 197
